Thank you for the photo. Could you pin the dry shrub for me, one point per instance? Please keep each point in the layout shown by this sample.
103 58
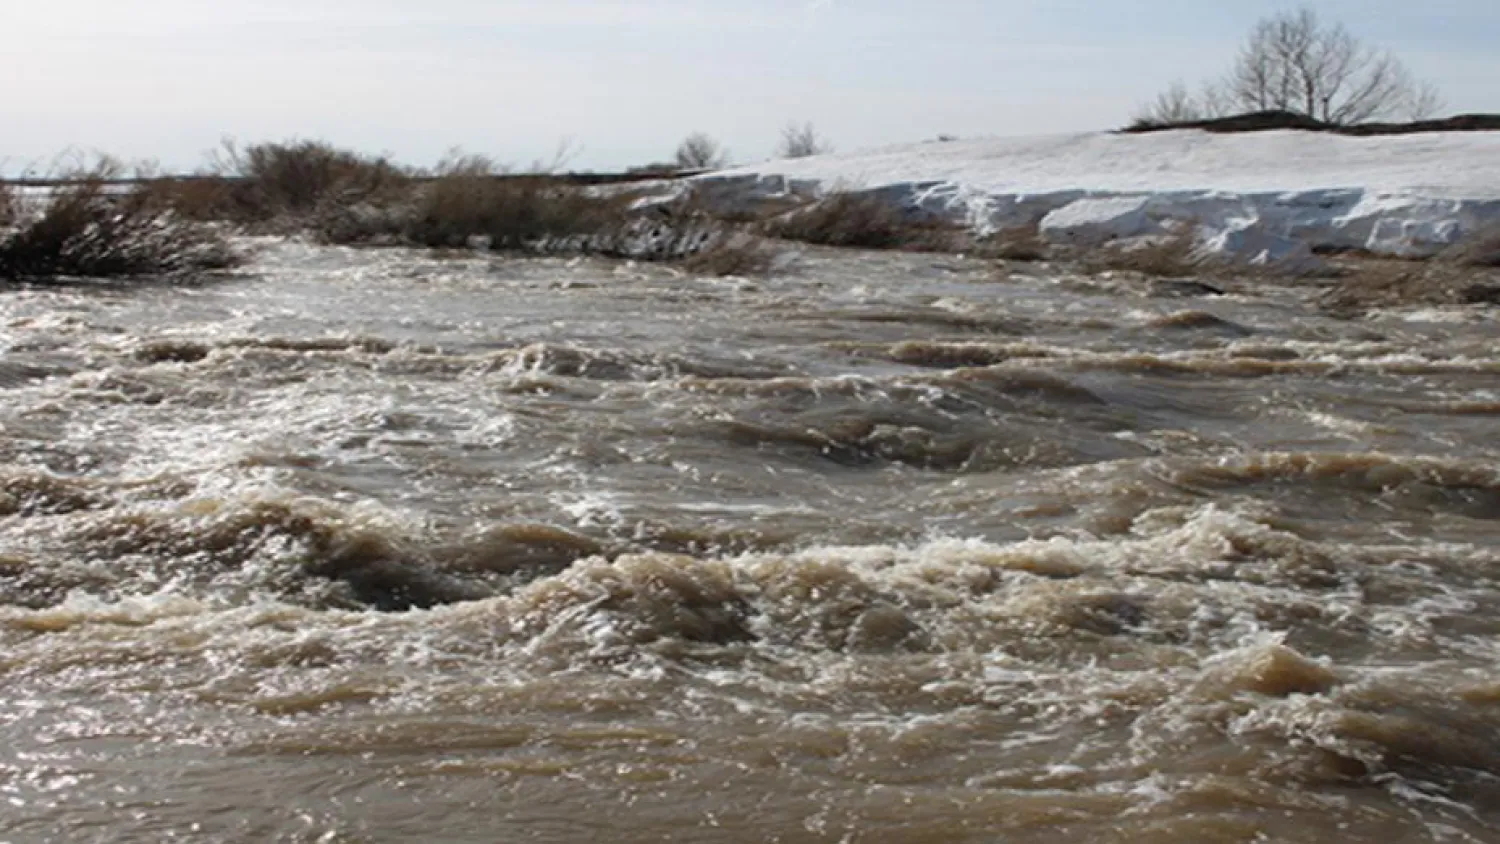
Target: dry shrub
471 199
7 205
470 202
203 198
294 182
1172 255
90 228
864 221
1023 243
689 231
728 202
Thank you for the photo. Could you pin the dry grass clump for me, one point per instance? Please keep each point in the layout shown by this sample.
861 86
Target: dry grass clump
1022 244
1173 255
1481 249
1383 283
862 221
89 228
1371 283
1460 275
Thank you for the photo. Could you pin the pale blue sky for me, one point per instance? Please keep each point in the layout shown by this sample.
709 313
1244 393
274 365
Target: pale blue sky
166 79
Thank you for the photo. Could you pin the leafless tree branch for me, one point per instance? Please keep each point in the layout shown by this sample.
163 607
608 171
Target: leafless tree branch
1294 62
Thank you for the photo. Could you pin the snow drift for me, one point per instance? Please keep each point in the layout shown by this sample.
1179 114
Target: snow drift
1260 197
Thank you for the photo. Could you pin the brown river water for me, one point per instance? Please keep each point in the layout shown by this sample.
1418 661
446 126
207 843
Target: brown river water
384 546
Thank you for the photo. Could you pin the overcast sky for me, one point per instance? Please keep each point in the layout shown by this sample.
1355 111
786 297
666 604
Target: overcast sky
626 79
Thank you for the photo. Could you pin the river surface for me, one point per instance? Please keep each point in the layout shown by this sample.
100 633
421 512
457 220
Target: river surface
384 546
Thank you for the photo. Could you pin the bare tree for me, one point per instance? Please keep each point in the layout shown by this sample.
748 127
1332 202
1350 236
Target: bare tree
1214 100
698 151
802 141
1424 102
1174 105
1179 105
1294 62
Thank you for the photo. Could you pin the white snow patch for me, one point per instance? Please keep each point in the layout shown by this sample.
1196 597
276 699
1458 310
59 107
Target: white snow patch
1255 197
1257 246
1091 222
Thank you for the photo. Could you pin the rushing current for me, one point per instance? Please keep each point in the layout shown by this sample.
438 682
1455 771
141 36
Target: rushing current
380 546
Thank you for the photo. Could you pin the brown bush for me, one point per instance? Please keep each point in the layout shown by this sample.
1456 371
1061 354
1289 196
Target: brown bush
90 228
470 202
511 213
291 182
864 221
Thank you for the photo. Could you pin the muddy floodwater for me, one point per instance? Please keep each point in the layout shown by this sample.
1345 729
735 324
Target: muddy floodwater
384 546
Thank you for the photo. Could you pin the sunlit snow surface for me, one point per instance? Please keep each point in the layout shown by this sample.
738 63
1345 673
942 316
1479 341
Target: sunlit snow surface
1265 196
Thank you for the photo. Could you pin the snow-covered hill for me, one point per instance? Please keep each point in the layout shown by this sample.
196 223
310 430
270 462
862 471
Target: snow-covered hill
1261 196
